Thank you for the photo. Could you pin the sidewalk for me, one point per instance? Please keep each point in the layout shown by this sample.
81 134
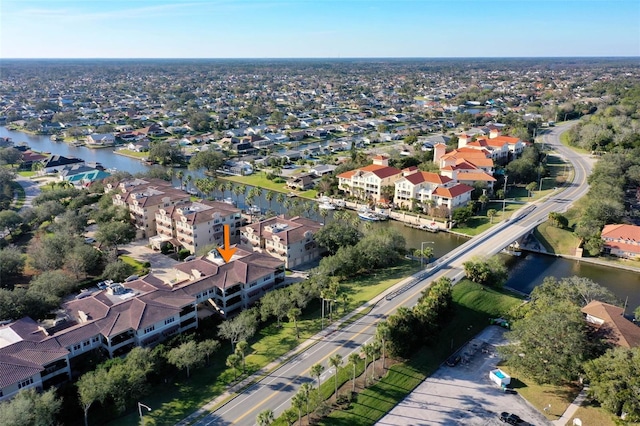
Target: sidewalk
237 388
571 409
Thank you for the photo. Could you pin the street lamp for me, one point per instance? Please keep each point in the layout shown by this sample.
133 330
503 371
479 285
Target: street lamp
504 196
140 405
422 251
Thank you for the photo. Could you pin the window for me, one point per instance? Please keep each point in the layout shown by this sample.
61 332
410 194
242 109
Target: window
76 347
25 383
86 343
169 320
95 339
149 329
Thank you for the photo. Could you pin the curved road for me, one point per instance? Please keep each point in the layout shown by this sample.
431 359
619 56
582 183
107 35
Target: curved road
275 390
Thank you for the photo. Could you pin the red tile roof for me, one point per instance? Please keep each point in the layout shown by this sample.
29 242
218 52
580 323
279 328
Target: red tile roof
453 191
621 232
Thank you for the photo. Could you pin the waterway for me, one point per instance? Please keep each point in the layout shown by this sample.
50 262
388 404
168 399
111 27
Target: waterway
526 272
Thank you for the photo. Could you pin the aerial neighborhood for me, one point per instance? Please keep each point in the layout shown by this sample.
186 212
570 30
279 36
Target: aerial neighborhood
268 201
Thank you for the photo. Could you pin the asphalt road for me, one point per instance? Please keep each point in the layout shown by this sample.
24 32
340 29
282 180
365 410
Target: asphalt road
276 389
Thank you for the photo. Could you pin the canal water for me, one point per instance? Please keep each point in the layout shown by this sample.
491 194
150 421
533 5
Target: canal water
526 272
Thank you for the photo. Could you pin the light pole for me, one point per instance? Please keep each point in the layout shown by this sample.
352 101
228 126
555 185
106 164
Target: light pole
140 405
422 251
504 196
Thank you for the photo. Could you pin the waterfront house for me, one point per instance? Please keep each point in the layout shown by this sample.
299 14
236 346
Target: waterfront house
610 322
621 240
419 186
101 139
290 240
302 182
56 163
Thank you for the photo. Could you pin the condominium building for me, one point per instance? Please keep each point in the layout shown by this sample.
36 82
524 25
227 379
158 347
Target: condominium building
432 189
367 182
194 225
290 240
144 198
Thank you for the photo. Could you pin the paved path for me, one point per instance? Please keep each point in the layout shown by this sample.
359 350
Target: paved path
31 190
571 409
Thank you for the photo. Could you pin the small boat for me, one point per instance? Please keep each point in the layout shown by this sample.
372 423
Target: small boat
369 216
292 194
326 206
339 203
382 215
254 209
229 200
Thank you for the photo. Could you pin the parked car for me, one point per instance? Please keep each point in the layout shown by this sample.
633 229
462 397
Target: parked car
189 258
131 278
89 240
512 419
453 360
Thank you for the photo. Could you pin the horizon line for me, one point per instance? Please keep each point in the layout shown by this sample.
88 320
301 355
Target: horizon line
327 57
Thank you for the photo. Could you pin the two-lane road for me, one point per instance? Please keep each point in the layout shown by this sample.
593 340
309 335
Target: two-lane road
276 389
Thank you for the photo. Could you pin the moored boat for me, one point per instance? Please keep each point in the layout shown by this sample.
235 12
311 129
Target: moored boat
368 216
326 206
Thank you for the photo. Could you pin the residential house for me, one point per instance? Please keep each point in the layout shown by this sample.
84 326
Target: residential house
621 240
322 169
193 225
82 175
144 198
29 158
302 181
101 139
368 182
610 321
290 240
55 163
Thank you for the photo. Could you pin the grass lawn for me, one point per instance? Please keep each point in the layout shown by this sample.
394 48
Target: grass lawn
473 307
480 223
27 173
260 179
139 268
130 153
542 395
556 240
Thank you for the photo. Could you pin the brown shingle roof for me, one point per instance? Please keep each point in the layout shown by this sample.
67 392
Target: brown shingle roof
623 332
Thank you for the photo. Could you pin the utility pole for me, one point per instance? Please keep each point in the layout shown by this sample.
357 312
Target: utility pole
504 198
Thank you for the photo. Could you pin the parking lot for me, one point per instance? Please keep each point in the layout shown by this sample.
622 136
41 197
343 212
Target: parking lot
161 265
464 394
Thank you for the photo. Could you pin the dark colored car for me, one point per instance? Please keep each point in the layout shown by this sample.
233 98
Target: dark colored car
453 360
512 419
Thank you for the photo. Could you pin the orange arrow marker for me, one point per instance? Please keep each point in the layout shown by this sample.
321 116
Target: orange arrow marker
226 251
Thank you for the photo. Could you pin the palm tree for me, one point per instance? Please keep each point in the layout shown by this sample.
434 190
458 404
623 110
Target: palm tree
484 199
269 197
491 213
365 350
241 349
354 358
297 402
383 332
238 190
265 418
306 389
375 350
293 314
280 198
316 371
335 362
324 213
189 178
180 176
234 361
228 186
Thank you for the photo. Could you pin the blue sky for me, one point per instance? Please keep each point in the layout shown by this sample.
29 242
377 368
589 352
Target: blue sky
317 28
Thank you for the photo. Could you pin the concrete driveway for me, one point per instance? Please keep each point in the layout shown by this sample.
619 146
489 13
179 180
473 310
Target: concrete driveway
464 394
161 265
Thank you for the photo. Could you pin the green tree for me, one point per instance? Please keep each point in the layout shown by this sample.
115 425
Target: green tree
241 327
265 418
164 153
354 359
297 402
209 160
12 260
383 332
276 303
549 344
92 386
113 234
531 187
306 389
614 380
241 349
491 213
188 355
316 371
293 313
30 408
10 156
234 361
335 361
82 260
118 271
10 221
208 347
